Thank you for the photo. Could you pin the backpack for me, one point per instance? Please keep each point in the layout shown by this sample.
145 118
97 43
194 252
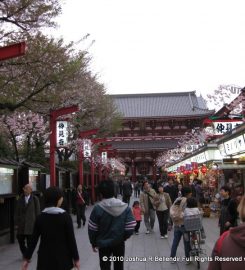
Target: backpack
176 211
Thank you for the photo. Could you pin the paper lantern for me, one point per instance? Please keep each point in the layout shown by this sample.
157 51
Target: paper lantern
195 171
204 169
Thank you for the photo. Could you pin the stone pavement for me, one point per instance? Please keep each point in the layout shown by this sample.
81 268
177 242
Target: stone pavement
138 246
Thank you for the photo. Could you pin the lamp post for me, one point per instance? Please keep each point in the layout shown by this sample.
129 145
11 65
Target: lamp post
54 114
82 135
103 148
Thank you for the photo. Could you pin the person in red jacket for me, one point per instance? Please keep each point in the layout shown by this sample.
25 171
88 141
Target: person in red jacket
137 215
230 246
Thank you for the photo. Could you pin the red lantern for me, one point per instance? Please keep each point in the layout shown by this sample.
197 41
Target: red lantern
204 169
182 168
195 171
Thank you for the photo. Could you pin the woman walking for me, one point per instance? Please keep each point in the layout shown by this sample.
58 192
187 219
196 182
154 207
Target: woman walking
162 211
57 248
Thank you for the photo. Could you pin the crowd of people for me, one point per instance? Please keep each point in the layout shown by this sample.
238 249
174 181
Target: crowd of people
113 221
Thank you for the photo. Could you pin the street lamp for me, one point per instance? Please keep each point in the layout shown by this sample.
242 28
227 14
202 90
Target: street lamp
83 135
54 114
103 148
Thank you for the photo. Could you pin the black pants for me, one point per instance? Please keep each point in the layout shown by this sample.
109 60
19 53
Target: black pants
109 254
163 221
136 228
81 214
24 242
126 199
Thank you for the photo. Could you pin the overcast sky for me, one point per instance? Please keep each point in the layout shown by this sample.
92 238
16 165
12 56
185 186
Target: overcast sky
146 46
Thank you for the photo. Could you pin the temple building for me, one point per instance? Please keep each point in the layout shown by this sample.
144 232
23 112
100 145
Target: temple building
153 124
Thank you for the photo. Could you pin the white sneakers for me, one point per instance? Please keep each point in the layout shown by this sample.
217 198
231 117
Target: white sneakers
164 236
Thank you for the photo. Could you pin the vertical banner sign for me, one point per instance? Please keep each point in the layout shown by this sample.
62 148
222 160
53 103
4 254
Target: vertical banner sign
104 157
87 148
61 133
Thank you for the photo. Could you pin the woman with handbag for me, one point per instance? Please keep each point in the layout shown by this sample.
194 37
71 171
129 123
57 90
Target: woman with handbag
163 204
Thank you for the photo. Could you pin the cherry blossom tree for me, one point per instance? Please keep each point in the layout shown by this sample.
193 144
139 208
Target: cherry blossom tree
19 18
223 95
27 131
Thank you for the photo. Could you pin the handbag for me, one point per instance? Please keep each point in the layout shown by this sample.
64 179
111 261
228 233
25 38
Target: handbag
156 201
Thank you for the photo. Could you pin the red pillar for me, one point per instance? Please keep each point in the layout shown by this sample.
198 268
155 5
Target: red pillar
100 172
81 167
92 181
52 149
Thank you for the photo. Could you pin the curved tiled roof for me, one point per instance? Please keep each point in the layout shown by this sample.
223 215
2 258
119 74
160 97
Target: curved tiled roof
145 145
179 104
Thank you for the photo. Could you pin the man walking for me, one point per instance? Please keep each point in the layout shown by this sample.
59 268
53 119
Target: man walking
80 206
147 198
28 208
111 223
127 191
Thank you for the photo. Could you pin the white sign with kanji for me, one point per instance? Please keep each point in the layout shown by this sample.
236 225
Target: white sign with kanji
235 145
61 133
222 127
104 157
87 148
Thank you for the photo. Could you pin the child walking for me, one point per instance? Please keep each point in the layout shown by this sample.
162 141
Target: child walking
137 215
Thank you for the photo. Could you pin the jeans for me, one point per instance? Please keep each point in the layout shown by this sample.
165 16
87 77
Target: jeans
149 219
116 252
178 233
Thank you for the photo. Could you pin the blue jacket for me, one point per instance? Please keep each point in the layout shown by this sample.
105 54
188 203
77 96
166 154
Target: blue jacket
111 222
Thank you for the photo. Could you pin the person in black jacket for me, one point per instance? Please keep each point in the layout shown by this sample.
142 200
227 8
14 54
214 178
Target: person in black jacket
127 191
171 189
57 248
28 208
228 212
111 223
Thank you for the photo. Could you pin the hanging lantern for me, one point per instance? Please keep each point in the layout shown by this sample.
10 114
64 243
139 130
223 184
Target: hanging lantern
188 167
195 171
204 169
185 172
182 168
194 165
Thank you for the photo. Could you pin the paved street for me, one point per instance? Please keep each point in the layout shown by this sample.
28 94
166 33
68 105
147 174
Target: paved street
138 246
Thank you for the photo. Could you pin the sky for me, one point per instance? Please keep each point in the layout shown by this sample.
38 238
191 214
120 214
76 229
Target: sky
152 46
